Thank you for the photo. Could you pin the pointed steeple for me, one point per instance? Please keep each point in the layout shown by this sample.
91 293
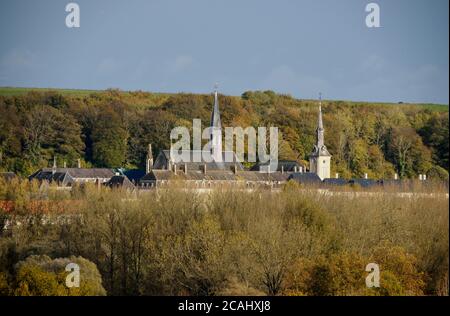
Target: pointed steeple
215 116
320 158
320 130
319 148
216 130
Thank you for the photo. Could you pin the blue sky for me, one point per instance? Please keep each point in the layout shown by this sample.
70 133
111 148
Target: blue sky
289 46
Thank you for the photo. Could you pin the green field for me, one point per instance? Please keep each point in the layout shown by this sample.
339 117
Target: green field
10 91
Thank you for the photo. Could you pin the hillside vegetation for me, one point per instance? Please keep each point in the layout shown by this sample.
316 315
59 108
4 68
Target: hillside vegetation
227 242
112 129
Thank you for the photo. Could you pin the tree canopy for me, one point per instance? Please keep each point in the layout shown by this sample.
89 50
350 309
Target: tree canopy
112 129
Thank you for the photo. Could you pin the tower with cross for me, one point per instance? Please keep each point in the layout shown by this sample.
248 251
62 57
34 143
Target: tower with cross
320 158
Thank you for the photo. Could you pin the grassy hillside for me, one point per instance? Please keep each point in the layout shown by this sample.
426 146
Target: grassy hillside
11 91
147 98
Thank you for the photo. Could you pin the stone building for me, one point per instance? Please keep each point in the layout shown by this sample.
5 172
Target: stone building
216 171
67 177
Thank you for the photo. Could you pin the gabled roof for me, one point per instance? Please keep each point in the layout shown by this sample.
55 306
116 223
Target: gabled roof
61 177
214 175
320 151
305 177
120 181
134 175
165 155
66 176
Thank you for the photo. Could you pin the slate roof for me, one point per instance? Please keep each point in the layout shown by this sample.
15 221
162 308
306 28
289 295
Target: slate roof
305 177
164 157
68 175
365 183
134 175
214 175
120 181
288 165
62 178
335 181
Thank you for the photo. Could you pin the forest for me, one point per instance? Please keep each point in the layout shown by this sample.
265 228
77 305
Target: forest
294 241
173 241
112 128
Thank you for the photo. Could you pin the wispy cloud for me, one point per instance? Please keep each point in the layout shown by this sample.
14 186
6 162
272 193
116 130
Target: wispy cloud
180 63
421 84
285 79
107 66
372 63
19 59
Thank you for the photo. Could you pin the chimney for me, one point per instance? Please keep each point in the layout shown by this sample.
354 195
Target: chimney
337 175
395 176
204 168
149 159
79 163
366 176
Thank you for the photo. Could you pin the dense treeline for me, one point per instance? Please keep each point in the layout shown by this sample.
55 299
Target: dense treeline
113 128
227 242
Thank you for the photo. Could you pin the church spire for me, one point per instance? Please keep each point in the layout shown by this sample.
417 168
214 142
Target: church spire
320 130
320 158
215 116
216 129
319 148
